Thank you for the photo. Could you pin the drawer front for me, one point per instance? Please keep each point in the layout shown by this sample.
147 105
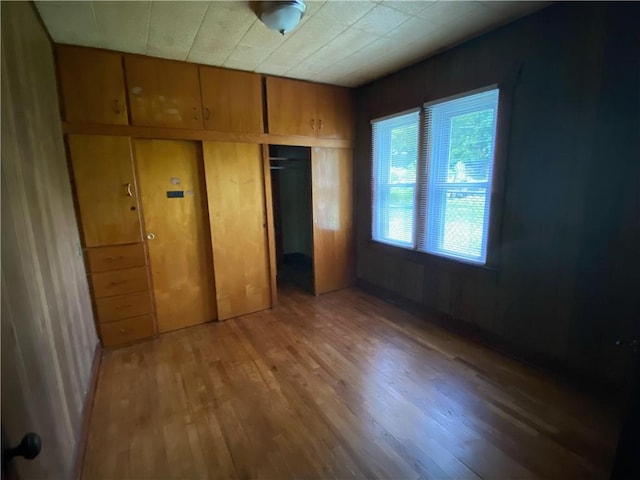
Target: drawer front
126 331
110 309
118 257
108 284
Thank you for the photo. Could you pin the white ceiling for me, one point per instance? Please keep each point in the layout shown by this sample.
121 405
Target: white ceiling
341 42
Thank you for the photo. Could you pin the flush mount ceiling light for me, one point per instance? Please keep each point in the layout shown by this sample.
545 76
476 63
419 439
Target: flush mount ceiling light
282 16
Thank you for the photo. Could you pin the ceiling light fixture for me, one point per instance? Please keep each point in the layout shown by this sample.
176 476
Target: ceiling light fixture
282 16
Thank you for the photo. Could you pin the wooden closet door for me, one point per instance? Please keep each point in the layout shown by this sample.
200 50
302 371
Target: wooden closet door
231 100
174 207
163 93
105 189
237 217
92 84
335 112
333 234
291 107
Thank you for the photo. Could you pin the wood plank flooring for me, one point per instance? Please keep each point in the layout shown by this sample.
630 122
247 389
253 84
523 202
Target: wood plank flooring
339 386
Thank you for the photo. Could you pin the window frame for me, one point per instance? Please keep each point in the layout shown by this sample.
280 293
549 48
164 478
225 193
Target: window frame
495 196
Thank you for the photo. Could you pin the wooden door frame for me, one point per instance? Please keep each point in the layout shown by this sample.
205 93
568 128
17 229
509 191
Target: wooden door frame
268 206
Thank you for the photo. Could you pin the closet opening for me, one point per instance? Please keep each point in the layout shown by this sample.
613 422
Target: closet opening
292 215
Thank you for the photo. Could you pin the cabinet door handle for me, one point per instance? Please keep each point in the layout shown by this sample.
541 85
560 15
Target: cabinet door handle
319 124
313 124
207 113
129 192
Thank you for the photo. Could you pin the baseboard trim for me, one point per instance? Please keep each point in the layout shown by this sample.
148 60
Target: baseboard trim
601 388
87 410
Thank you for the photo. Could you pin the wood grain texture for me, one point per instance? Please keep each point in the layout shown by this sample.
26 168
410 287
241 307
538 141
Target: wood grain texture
237 218
119 307
92 85
119 282
338 386
333 217
291 107
104 259
105 187
163 93
231 100
204 135
180 253
129 330
48 336
335 111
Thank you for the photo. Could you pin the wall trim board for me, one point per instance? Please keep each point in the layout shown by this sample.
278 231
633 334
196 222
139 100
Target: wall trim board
601 388
202 135
87 411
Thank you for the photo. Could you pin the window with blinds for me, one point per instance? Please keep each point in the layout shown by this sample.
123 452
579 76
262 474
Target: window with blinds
437 201
395 161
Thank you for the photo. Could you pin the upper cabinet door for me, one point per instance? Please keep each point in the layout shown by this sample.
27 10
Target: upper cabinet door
105 189
335 112
291 107
163 93
231 100
92 84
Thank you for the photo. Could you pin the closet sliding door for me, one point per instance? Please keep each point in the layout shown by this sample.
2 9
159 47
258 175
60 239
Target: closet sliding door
333 234
237 217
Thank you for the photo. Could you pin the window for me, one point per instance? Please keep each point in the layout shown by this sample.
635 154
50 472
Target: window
395 159
437 201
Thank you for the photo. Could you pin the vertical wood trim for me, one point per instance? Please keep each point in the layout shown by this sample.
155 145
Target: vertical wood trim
87 410
271 241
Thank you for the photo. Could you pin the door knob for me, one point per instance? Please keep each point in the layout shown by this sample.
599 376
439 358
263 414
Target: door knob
28 448
151 236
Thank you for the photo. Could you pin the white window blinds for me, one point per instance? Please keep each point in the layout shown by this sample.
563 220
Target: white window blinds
459 146
395 160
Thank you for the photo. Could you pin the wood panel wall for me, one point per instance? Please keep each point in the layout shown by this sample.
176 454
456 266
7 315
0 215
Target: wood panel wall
48 334
562 291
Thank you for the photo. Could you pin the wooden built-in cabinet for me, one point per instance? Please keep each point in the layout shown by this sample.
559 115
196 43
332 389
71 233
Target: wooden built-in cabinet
170 167
121 293
92 85
163 93
231 100
302 108
107 199
105 189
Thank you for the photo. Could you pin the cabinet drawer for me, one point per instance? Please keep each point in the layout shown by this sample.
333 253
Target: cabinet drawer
104 259
126 331
108 284
110 309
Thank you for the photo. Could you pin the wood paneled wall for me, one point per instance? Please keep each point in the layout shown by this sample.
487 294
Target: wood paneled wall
48 334
563 289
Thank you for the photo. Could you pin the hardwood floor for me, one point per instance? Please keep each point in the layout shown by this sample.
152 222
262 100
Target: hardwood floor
338 386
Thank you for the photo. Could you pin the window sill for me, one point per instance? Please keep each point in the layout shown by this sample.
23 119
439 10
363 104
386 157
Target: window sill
431 260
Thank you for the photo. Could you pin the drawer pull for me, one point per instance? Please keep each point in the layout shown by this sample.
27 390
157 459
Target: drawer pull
116 284
124 307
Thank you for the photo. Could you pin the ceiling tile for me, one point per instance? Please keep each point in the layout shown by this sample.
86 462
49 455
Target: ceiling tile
348 42
414 29
71 22
223 26
215 58
381 20
316 33
174 25
123 26
443 13
408 7
345 12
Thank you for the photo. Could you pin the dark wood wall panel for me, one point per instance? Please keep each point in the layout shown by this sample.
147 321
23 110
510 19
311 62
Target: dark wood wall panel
48 334
564 63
